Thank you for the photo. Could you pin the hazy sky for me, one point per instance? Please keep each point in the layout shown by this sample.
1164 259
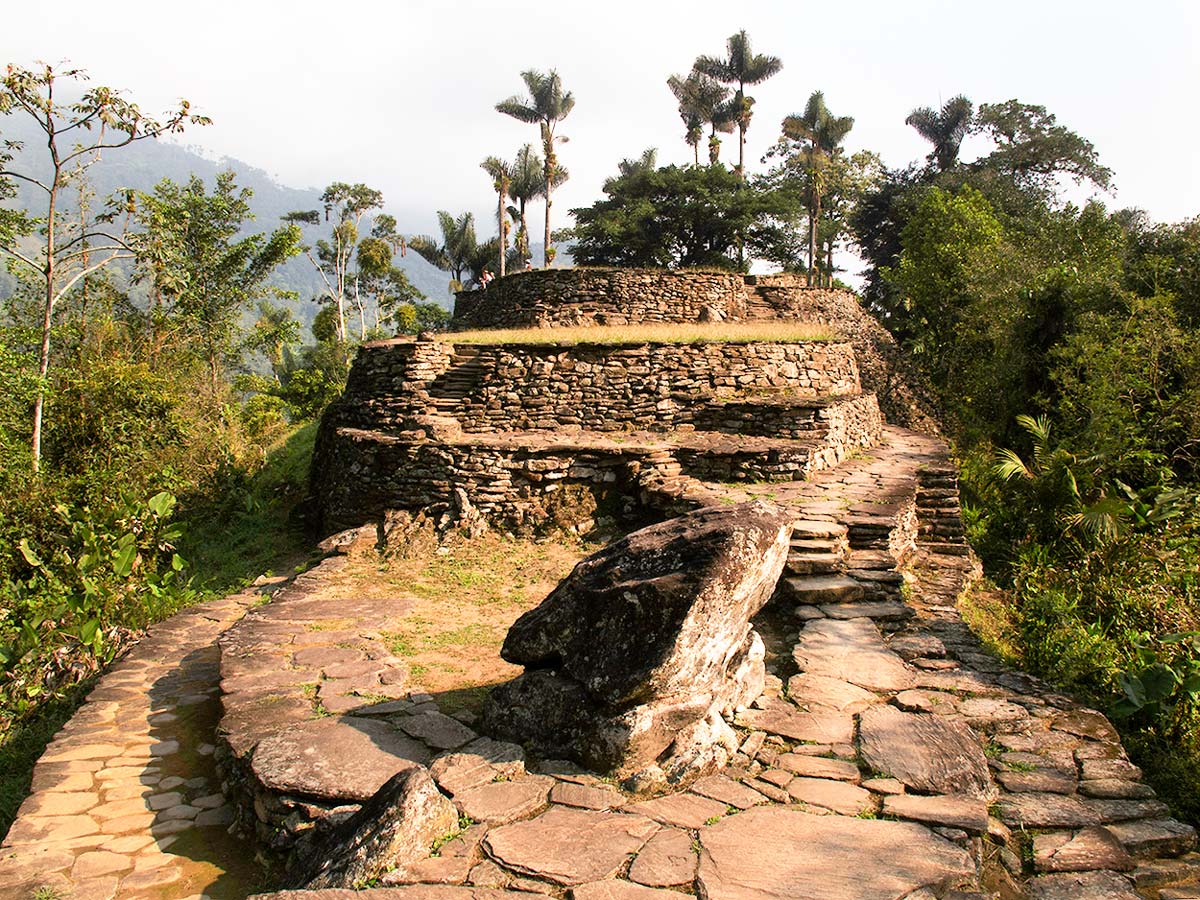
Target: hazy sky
400 95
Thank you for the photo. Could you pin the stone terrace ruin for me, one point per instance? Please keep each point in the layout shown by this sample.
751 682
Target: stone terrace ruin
870 748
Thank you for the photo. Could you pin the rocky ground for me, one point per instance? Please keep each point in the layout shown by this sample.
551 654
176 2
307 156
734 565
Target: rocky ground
888 757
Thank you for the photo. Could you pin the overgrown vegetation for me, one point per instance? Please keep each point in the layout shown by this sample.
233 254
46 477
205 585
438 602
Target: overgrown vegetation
155 436
1063 342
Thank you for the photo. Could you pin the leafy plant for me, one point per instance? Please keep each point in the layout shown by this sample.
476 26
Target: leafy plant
1163 682
118 567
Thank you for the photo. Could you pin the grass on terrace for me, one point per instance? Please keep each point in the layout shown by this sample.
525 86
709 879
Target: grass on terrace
680 333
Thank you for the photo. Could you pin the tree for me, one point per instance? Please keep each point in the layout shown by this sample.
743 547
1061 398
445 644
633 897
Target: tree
189 254
346 205
670 217
824 133
102 119
741 66
944 128
457 249
546 106
501 172
647 162
1033 149
702 101
273 332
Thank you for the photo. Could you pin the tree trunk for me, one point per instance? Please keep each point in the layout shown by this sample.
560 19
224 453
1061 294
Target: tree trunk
39 402
829 264
546 251
812 238
503 231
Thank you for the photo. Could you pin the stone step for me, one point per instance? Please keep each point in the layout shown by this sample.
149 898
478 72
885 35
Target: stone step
816 529
814 563
819 589
817 545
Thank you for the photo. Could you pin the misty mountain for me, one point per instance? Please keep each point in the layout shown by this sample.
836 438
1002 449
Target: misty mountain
143 164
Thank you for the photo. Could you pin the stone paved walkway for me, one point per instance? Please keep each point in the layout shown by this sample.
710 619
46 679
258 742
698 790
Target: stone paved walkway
125 802
890 756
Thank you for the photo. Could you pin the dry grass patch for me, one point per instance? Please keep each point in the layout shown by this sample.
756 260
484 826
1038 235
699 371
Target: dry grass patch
681 333
460 602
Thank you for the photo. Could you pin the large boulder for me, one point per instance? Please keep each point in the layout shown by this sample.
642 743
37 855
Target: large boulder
394 828
633 659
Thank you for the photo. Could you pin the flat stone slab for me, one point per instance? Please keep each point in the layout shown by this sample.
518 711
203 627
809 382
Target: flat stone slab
929 753
501 802
1045 811
1154 837
619 890
335 758
1092 848
586 797
1077 886
727 791
819 690
437 730
948 810
668 859
783 719
1045 781
570 846
481 762
783 854
682 810
819 767
853 651
837 796
820 589
888 610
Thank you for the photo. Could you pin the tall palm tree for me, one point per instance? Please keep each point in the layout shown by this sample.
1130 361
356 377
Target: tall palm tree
457 249
501 172
824 133
741 66
702 101
547 105
529 183
944 128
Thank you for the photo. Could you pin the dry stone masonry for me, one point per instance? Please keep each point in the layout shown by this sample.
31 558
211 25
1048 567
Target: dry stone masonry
778 668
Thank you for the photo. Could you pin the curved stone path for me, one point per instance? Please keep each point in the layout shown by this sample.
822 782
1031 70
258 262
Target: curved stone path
124 801
890 756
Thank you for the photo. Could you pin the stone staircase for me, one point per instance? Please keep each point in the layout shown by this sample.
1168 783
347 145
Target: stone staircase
449 391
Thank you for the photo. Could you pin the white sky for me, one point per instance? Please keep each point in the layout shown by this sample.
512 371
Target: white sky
400 95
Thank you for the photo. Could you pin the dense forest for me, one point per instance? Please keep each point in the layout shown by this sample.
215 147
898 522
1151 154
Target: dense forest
158 390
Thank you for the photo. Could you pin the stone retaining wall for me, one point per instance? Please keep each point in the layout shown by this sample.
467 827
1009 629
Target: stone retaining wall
617 296
652 386
587 296
598 388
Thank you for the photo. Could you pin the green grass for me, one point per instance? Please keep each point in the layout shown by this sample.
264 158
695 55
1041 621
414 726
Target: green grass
252 528
624 335
24 743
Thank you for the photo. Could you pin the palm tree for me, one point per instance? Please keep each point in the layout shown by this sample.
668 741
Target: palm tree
647 162
944 128
546 105
741 66
702 102
457 249
501 172
824 133
529 183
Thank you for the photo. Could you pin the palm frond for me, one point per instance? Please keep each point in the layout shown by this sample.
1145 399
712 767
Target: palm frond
1009 465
